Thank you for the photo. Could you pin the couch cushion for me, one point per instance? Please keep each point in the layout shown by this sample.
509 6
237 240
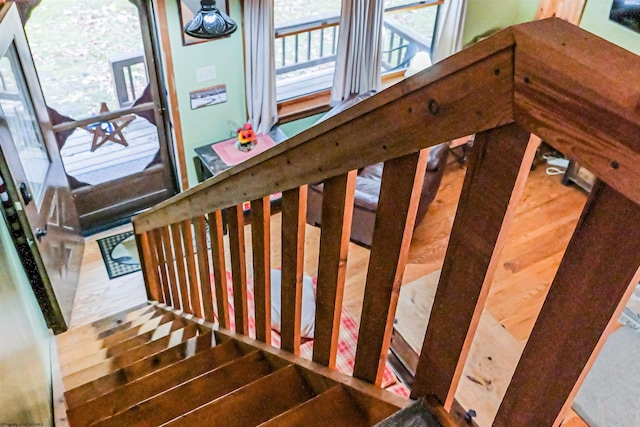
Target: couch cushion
308 316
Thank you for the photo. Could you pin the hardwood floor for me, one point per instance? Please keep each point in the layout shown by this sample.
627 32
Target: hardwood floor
98 297
546 217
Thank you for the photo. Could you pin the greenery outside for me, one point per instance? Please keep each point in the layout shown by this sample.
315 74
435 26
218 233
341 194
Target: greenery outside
72 42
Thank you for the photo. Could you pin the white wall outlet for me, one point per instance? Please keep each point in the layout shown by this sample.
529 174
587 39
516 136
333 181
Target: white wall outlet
205 73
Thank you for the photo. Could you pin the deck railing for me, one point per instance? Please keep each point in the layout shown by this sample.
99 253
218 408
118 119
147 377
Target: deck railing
576 91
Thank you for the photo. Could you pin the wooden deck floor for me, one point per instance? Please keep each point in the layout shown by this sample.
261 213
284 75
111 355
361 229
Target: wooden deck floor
545 219
112 160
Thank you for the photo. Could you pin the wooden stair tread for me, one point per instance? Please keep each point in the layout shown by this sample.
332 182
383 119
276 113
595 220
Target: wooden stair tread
193 394
107 339
89 332
154 384
116 319
185 379
253 404
333 408
120 317
93 346
79 377
139 369
96 357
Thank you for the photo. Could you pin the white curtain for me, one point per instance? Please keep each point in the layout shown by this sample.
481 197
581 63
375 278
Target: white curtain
260 64
359 44
450 27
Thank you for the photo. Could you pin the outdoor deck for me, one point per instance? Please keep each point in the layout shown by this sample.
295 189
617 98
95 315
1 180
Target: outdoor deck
110 161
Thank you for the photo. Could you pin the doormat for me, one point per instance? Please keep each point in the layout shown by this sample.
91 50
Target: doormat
119 254
610 394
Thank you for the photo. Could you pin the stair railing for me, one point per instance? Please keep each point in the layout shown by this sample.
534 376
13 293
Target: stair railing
576 91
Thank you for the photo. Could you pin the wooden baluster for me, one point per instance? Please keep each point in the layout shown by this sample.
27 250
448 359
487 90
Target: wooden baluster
219 267
194 290
149 264
162 262
171 246
337 212
593 283
496 174
294 212
162 267
261 243
182 275
200 230
235 221
402 180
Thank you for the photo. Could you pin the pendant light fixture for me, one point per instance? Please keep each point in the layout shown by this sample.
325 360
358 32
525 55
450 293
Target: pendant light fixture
210 22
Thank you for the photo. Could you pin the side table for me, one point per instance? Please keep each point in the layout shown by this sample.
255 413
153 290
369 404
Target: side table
208 164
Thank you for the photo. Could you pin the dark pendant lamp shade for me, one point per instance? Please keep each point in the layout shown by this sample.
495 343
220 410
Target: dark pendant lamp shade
209 22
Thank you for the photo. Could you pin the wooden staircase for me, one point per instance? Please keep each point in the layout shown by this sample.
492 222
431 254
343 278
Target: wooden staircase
167 363
153 366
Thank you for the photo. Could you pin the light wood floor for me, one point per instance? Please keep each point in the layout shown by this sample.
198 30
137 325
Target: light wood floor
98 297
546 217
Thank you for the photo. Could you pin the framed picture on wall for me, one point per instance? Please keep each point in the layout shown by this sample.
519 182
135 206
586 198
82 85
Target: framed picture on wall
188 8
627 13
208 96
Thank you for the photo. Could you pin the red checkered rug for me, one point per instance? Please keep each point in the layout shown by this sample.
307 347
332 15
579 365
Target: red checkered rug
347 341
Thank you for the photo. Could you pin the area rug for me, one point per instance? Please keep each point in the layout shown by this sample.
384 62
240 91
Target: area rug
610 394
119 254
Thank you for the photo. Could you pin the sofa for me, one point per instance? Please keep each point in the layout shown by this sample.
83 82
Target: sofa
368 187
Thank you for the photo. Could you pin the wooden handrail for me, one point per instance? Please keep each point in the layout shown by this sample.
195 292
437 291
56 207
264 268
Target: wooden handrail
547 78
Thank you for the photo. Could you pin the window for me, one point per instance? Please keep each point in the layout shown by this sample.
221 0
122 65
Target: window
306 39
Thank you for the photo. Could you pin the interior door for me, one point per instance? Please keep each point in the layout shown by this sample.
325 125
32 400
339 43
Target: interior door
37 181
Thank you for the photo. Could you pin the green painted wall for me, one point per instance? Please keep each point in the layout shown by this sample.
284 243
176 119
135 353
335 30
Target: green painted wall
485 15
214 123
596 20
527 10
25 363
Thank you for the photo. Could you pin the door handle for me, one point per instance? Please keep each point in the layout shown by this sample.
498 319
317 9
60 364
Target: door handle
41 233
27 197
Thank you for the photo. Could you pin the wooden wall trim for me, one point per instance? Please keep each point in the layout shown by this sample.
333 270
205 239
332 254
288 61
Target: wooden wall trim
165 39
